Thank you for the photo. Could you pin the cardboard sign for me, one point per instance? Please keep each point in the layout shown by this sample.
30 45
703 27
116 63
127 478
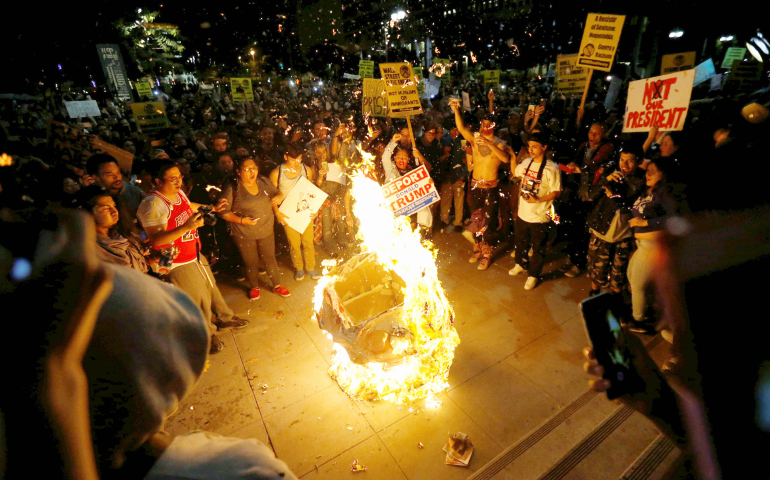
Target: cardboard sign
240 88
350 76
441 69
744 76
676 62
83 108
733 54
374 100
124 158
703 72
570 78
491 78
600 41
466 101
660 100
144 90
366 68
301 202
411 192
151 116
403 99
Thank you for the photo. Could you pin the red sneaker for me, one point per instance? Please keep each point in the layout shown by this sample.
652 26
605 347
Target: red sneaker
282 291
254 293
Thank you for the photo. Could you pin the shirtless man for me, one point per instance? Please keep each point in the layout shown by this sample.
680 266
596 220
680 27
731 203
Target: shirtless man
488 153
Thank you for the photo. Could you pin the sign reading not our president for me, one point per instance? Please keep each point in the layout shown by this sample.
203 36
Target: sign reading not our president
661 101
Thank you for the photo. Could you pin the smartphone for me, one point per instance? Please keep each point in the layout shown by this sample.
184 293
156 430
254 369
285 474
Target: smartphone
600 314
542 102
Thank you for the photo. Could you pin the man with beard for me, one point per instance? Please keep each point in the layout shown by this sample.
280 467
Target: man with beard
105 170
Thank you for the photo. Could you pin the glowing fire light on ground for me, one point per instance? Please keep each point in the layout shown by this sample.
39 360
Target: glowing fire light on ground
385 309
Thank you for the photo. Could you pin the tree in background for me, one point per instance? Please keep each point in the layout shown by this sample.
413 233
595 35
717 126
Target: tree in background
153 47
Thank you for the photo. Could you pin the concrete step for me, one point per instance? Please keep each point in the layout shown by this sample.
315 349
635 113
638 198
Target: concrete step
659 461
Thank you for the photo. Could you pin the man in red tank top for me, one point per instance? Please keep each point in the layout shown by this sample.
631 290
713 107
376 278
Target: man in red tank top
170 219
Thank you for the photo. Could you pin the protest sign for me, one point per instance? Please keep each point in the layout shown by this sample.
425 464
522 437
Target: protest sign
144 90
660 100
703 72
600 41
432 87
124 158
151 116
240 88
336 174
403 99
83 108
441 69
366 68
570 78
302 201
491 78
420 82
716 81
676 62
466 101
350 76
744 76
374 98
411 192
114 71
733 54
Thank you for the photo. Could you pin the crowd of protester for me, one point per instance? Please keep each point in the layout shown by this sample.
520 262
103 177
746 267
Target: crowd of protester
524 170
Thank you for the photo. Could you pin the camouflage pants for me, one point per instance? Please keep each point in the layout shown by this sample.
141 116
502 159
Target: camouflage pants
607 262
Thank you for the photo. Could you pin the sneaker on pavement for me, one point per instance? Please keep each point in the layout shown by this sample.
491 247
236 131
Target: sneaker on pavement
484 263
300 275
475 258
573 272
282 291
234 322
313 274
517 269
254 293
216 345
530 284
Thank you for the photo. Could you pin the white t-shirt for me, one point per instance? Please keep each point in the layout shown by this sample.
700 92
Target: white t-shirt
549 183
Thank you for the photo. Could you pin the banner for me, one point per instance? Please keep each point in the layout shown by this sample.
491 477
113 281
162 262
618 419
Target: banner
570 78
240 89
114 71
676 62
300 203
411 192
83 108
703 72
744 76
366 68
600 41
151 116
403 99
660 100
144 90
733 54
491 78
350 76
374 100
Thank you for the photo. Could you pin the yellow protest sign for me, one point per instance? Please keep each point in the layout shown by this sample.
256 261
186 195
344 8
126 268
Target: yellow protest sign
676 62
150 116
403 99
600 41
366 68
491 78
240 88
144 90
374 101
570 78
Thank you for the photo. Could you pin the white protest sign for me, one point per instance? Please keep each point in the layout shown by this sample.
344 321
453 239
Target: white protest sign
83 108
336 174
302 201
350 76
660 100
411 192
466 101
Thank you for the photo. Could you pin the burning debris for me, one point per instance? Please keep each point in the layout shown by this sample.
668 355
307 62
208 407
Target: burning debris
385 310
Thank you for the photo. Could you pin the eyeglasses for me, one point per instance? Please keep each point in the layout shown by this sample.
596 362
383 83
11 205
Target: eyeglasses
173 179
250 170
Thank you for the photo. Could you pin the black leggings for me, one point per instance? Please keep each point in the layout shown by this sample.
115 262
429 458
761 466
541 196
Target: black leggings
252 251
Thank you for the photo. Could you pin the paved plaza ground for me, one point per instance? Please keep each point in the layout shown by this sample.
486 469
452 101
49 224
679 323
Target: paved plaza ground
519 364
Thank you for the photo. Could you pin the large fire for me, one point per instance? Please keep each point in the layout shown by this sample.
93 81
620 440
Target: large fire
385 309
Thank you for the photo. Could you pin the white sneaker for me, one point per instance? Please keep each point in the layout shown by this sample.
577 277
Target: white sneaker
531 282
517 269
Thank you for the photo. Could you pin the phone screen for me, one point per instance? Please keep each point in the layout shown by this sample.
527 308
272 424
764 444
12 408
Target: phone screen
609 342
542 102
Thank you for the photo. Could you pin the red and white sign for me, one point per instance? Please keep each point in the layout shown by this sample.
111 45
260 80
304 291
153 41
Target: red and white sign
411 192
660 100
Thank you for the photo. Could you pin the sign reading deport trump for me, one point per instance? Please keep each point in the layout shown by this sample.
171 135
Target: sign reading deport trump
411 192
403 97
661 101
600 41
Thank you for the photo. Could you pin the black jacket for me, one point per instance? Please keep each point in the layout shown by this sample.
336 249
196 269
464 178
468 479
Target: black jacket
605 208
